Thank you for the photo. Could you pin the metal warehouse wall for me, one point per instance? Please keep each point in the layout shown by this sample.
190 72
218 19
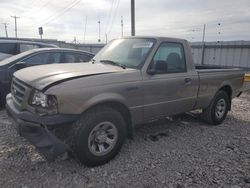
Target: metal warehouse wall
93 48
231 53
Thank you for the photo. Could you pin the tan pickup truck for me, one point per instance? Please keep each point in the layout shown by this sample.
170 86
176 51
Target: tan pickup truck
89 109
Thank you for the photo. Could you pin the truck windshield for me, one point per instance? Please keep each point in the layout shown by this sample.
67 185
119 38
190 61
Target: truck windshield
129 53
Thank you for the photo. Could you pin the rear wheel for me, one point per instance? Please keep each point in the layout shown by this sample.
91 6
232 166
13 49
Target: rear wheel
98 136
217 111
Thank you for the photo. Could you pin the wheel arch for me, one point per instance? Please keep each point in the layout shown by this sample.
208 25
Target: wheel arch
228 89
120 107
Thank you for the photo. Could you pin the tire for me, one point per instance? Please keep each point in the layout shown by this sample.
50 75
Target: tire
96 127
217 111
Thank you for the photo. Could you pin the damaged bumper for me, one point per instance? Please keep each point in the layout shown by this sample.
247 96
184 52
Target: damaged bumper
38 129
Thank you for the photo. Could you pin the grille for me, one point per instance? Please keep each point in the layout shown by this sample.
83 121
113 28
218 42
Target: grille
18 90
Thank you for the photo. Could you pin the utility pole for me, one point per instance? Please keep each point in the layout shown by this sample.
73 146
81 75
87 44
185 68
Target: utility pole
106 37
219 32
6 30
85 28
121 26
204 32
203 44
99 23
132 17
15 17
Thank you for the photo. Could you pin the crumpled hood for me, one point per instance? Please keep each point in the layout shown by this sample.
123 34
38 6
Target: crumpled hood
42 76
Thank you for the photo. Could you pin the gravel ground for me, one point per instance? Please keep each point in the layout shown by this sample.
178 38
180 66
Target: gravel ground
179 152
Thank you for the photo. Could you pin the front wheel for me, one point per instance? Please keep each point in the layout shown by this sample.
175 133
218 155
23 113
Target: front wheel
99 136
217 111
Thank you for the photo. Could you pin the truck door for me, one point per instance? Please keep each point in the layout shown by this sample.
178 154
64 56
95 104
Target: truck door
170 88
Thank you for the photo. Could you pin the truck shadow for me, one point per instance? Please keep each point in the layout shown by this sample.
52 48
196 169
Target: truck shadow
162 128
2 107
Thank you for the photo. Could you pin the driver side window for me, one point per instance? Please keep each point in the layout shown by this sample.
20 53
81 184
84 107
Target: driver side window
169 58
44 58
37 59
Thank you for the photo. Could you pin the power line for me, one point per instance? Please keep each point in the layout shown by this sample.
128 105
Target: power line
62 12
109 16
114 17
37 9
15 17
66 9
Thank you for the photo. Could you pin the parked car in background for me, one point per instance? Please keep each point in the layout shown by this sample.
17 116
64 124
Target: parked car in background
4 56
37 57
13 47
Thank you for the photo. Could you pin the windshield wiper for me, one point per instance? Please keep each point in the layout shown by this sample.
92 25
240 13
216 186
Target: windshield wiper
112 63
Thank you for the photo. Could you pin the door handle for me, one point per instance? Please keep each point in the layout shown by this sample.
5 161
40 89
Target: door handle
188 81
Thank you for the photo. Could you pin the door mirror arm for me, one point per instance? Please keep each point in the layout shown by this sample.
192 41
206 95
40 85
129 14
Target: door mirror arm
20 65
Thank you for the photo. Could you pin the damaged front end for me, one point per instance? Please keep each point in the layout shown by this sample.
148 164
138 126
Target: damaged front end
44 140
40 130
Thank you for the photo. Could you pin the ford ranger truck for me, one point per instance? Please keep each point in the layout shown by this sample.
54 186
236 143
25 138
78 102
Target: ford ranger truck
89 109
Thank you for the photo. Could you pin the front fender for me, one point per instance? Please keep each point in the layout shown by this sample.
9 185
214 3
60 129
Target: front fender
103 98
77 102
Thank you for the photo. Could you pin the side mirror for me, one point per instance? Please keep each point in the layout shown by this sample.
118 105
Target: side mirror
20 65
159 67
151 71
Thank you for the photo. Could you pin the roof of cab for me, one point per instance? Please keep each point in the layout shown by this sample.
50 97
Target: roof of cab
158 38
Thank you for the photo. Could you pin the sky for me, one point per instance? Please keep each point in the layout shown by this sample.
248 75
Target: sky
68 19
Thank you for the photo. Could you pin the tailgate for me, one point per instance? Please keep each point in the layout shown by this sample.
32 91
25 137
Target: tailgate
246 85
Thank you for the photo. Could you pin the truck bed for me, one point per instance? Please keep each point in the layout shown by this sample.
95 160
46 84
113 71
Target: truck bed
216 67
212 78
199 67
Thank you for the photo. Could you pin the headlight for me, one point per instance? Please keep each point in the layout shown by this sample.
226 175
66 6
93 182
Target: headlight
39 99
42 101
